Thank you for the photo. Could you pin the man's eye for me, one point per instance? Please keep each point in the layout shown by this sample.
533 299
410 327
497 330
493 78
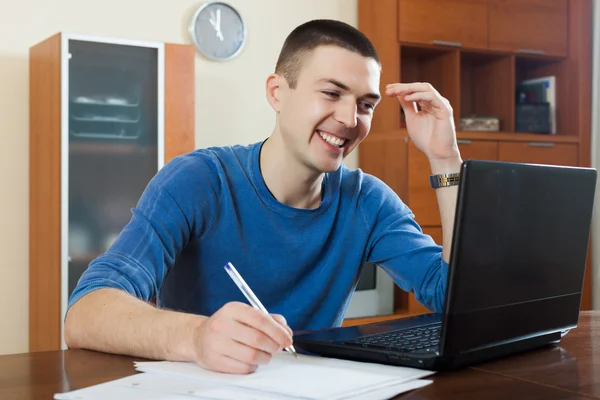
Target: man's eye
368 106
331 94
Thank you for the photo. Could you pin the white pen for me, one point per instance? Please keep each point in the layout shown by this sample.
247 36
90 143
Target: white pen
245 289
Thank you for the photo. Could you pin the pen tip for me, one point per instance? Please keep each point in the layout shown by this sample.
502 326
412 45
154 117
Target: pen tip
294 352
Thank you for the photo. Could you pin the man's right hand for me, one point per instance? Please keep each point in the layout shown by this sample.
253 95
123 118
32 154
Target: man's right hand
238 338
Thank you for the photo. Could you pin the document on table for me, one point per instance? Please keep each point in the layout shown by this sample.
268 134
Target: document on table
309 377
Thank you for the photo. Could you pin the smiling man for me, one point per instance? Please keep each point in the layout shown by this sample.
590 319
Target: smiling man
296 223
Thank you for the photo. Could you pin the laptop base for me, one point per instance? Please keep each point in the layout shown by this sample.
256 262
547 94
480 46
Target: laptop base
430 360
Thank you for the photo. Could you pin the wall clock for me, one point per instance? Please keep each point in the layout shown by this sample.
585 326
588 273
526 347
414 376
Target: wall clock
218 31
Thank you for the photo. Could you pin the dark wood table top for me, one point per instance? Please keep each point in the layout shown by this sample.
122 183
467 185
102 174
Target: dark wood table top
570 370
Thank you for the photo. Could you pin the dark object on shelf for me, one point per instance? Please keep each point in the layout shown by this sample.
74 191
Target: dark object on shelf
480 124
533 117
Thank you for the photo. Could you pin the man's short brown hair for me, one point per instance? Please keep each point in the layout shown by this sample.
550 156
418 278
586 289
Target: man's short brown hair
321 32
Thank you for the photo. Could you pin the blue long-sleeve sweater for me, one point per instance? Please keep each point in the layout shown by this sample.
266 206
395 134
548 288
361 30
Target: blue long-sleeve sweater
211 206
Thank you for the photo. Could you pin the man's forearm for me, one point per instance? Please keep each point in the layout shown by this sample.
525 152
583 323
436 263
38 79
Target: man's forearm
446 197
112 321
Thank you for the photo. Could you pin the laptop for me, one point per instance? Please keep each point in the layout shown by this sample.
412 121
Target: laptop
515 276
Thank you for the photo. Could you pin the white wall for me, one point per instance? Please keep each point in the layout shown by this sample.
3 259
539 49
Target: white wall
230 101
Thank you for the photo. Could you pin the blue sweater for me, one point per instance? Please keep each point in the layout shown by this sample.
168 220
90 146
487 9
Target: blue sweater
212 206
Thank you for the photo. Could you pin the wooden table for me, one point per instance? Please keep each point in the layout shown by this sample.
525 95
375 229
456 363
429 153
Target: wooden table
570 370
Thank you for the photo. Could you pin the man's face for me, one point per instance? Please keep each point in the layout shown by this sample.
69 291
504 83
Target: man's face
329 112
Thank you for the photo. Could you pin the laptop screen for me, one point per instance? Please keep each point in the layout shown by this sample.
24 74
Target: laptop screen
519 252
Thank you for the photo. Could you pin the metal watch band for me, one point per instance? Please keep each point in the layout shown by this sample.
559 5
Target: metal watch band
444 180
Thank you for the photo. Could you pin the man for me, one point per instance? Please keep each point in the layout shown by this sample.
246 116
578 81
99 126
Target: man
290 217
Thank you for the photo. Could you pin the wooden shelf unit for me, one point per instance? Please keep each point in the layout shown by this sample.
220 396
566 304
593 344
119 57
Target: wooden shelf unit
56 159
475 52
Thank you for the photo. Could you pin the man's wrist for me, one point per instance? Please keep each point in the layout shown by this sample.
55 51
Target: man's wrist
182 346
446 165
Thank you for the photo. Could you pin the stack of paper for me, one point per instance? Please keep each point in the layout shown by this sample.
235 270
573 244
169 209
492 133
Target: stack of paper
285 377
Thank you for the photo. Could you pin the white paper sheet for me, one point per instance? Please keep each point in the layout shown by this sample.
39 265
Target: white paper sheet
309 377
149 386
284 378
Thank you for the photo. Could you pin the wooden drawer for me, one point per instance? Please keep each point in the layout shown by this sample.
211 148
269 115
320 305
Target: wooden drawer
530 26
464 22
539 153
421 197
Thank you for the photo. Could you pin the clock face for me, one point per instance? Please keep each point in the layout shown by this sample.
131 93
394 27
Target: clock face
218 31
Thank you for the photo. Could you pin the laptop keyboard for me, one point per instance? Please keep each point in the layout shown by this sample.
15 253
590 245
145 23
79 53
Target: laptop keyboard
423 338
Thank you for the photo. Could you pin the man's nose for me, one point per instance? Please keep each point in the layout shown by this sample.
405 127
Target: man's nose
346 114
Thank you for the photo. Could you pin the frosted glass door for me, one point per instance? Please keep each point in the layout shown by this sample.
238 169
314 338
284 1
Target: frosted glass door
112 141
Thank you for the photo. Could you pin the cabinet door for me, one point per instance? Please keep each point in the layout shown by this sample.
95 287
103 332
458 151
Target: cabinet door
539 153
463 23
421 197
529 26
113 129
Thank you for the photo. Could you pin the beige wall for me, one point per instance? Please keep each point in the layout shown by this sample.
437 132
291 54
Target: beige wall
230 102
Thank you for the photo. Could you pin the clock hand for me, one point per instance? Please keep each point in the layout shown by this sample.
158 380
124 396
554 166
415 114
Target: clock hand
212 22
216 23
218 27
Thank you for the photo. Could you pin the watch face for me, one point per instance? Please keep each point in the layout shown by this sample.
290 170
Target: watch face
218 31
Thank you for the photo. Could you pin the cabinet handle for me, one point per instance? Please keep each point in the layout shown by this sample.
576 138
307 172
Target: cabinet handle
445 43
541 144
530 51
463 141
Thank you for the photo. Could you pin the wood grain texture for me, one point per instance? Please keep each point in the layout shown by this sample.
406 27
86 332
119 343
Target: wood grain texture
44 192
573 367
539 25
565 371
439 67
579 64
179 100
377 19
427 21
557 154
384 156
520 137
487 87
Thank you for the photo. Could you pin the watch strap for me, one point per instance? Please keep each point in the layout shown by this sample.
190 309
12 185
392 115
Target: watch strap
444 180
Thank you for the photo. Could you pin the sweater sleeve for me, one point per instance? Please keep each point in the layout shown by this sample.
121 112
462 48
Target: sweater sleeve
162 222
398 245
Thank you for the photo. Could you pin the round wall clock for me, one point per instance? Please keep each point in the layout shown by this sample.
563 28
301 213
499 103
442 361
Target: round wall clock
218 31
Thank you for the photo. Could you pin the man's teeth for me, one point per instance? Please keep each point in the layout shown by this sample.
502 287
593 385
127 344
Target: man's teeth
337 142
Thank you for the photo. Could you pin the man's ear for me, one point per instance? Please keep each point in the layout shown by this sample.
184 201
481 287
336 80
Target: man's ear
276 86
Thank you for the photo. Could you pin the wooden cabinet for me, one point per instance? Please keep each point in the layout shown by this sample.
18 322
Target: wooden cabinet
464 23
105 116
539 153
522 26
502 44
529 26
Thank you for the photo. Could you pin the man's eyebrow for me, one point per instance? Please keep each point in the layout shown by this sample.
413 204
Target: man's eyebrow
342 86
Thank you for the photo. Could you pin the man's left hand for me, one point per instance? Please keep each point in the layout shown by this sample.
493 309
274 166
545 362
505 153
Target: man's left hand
432 127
